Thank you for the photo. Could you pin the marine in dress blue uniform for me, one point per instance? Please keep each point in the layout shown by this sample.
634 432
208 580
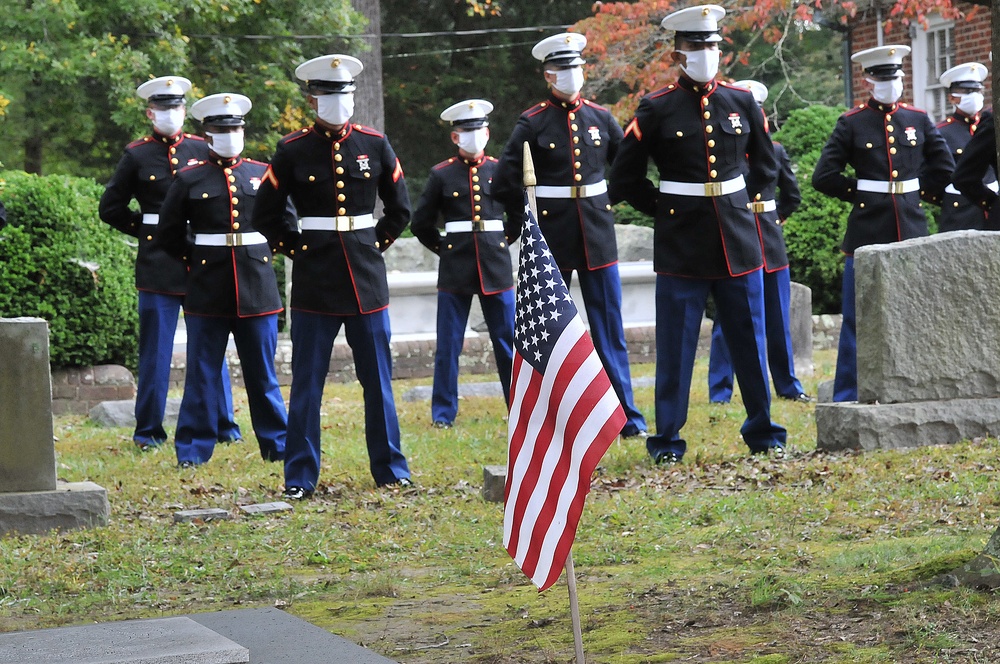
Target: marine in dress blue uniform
703 136
978 159
573 141
144 173
898 158
475 259
207 222
965 89
771 213
333 172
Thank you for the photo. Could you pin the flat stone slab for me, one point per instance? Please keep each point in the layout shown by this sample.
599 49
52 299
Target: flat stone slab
266 508
122 413
857 426
423 392
494 483
274 636
208 514
159 641
71 505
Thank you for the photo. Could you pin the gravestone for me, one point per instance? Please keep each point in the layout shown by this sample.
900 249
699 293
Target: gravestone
801 328
31 500
928 351
27 455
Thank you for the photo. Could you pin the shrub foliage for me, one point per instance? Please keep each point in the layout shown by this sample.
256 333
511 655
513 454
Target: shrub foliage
814 233
59 262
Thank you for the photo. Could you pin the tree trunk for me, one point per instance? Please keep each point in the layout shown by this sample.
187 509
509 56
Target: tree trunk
369 107
33 153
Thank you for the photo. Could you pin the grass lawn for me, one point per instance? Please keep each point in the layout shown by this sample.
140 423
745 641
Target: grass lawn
817 558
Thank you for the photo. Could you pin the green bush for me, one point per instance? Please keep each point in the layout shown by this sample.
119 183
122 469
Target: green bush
59 262
814 233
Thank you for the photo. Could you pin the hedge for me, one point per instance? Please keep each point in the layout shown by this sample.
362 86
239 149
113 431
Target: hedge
59 262
814 233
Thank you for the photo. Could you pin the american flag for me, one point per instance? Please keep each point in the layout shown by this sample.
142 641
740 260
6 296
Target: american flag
564 415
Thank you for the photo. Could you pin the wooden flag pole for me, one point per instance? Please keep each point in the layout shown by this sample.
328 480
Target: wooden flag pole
574 608
528 167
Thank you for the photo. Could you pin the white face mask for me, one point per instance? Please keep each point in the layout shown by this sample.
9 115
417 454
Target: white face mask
568 81
226 145
473 142
335 109
701 66
168 122
887 92
970 103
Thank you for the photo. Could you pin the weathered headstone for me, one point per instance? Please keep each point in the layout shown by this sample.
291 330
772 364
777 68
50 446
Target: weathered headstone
928 352
31 500
801 328
27 455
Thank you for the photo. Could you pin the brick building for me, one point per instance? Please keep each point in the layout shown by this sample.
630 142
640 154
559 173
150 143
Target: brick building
944 43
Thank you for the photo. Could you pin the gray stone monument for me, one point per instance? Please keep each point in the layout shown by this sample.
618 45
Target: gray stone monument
928 311
801 328
31 500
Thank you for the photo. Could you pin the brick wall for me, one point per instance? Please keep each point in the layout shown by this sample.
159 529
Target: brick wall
971 40
79 390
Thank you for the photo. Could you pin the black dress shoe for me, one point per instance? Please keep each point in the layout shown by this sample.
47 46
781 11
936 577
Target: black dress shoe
777 452
802 397
441 424
186 464
296 493
666 458
402 483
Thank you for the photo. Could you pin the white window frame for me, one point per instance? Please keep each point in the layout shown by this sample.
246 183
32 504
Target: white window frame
928 93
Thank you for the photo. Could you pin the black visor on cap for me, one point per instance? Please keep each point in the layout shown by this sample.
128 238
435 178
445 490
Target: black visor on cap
888 71
223 121
166 100
698 37
327 87
567 58
470 123
966 85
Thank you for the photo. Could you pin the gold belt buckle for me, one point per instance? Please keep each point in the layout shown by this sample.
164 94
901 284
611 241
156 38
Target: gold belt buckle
345 224
575 191
713 189
232 239
896 187
757 207
478 225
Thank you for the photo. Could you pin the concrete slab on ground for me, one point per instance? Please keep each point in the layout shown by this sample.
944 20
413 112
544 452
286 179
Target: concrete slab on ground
159 641
273 636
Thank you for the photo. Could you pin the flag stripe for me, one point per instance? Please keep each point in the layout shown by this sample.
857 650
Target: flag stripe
564 415
557 511
527 465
